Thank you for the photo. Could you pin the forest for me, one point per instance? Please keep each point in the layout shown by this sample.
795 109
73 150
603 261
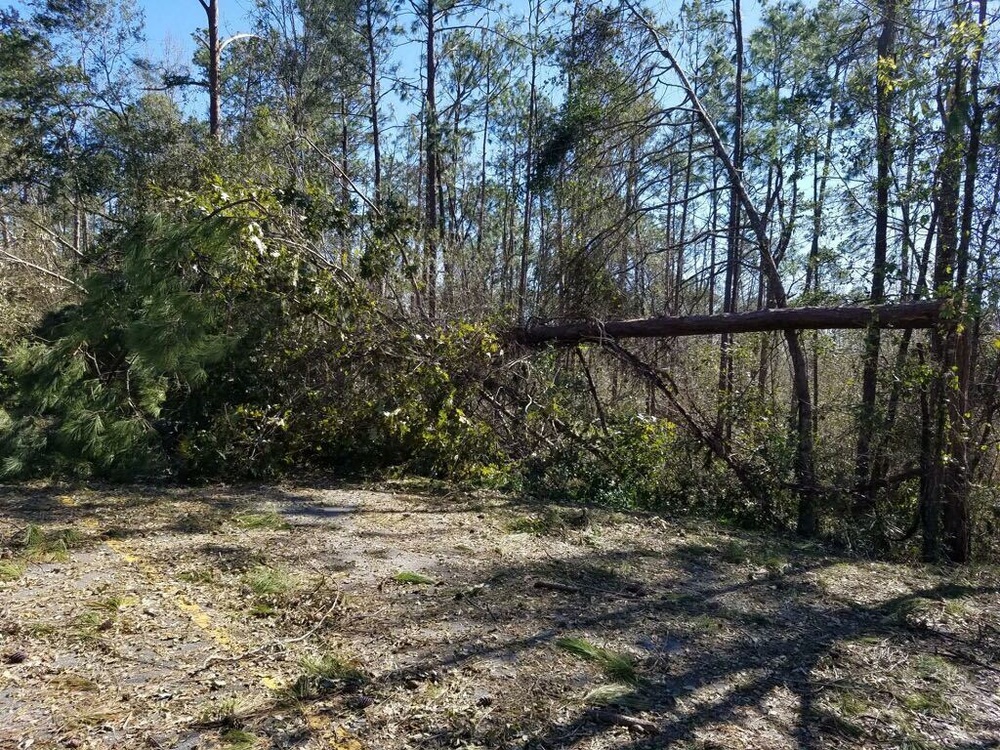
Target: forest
707 262
347 246
353 244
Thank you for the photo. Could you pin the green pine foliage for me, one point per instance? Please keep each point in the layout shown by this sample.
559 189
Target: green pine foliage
93 380
210 343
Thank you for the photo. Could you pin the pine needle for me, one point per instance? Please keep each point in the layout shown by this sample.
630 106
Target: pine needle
618 667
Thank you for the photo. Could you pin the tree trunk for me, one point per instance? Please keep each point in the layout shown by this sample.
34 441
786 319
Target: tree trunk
733 236
864 501
431 162
911 315
373 102
522 285
214 54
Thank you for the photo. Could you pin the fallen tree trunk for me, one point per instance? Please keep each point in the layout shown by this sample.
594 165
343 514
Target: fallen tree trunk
909 315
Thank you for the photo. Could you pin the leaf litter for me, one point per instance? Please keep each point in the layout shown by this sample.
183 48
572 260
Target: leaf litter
280 617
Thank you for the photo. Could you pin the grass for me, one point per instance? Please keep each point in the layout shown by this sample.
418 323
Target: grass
738 553
616 694
734 553
850 704
830 722
912 612
927 702
228 713
264 580
198 575
42 629
89 624
551 521
11 570
325 674
113 604
933 668
617 667
697 552
199 523
536 525
263 609
408 576
75 682
706 624
49 546
268 520
239 739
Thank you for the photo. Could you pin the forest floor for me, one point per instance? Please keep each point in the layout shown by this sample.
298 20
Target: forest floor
355 619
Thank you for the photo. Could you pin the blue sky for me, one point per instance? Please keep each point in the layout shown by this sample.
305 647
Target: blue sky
170 23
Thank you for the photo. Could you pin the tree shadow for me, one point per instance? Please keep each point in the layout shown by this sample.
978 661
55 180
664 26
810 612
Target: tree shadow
776 650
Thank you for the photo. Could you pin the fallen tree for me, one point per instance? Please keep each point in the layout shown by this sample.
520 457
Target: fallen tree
909 315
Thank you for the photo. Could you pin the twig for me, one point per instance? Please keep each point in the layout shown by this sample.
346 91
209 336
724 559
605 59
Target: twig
967 658
322 621
622 720
555 586
212 660
21 261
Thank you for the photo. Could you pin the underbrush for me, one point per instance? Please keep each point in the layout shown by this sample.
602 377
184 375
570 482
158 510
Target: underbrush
649 464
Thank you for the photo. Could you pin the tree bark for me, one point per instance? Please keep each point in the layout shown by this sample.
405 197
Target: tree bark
431 162
912 315
731 294
864 501
214 54
805 469
373 102
522 284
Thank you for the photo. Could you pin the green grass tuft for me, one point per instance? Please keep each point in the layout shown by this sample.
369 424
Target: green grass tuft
267 581
616 694
928 702
198 575
51 546
408 576
618 667
536 525
239 739
269 520
325 674
11 570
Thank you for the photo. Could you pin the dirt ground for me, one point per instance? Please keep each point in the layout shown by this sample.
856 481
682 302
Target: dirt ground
310 617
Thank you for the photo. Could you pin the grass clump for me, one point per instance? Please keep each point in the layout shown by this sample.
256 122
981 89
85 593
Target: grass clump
734 553
199 523
198 575
51 546
537 525
75 683
325 674
228 713
615 666
550 522
269 520
11 570
616 694
850 704
934 668
913 612
927 702
238 739
89 624
264 580
408 576
112 605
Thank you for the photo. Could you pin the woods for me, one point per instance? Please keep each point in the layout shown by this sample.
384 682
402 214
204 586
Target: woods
761 243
